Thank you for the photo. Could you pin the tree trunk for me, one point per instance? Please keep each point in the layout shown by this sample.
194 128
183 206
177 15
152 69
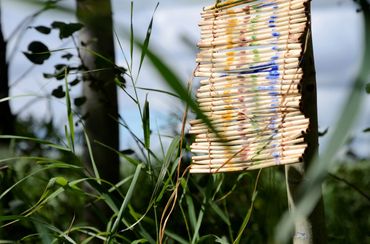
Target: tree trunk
312 229
6 116
100 109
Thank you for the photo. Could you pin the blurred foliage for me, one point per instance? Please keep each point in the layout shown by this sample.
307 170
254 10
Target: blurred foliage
43 183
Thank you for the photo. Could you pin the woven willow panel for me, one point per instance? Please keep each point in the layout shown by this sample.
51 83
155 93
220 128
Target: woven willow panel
249 61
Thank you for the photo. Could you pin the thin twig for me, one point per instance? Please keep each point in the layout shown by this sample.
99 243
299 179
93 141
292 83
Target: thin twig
351 185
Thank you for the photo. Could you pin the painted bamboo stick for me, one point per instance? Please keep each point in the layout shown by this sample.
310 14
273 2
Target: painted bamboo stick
216 141
243 112
244 64
281 73
250 148
208 147
250 101
239 167
293 132
249 84
280 118
282 19
240 12
287 63
257 98
250 104
247 153
249 4
239 159
293 38
252 55
252 117
252 60
247 24
216 77
244 128
258 125
282 48
246 92
256 36
252 80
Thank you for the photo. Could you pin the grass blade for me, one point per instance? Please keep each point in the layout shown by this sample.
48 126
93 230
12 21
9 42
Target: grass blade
249 213
171 152
144 46
95 168
44 142
146 124
132 36
71 126
126 201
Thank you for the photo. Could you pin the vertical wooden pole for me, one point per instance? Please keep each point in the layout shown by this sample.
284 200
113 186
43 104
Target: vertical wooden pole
6 116
311 229
99 88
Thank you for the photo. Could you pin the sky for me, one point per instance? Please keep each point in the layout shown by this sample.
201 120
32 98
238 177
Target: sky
337 59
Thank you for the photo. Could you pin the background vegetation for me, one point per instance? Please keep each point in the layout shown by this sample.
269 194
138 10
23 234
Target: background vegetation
65 186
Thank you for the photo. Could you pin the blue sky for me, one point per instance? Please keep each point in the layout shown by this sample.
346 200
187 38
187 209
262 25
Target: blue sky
337 36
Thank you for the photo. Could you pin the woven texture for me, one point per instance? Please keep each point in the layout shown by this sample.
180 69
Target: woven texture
249 61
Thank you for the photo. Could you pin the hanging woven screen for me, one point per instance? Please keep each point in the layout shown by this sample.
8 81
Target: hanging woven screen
249 61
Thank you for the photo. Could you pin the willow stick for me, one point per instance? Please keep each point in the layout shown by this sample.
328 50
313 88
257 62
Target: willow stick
282 48
235 26
240 25
242 12
292 39
265 74
250 4
256 36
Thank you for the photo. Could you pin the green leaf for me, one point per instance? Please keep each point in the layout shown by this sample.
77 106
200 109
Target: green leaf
176 237
71 126
67 56
48 143
220 213
144 46
140 241
79 101
43 29
367 88
120 81
66 30
95 168
171 153
127 151
246 219
74 82
61 181
146 124
37 53
127 200
58 92
367 130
